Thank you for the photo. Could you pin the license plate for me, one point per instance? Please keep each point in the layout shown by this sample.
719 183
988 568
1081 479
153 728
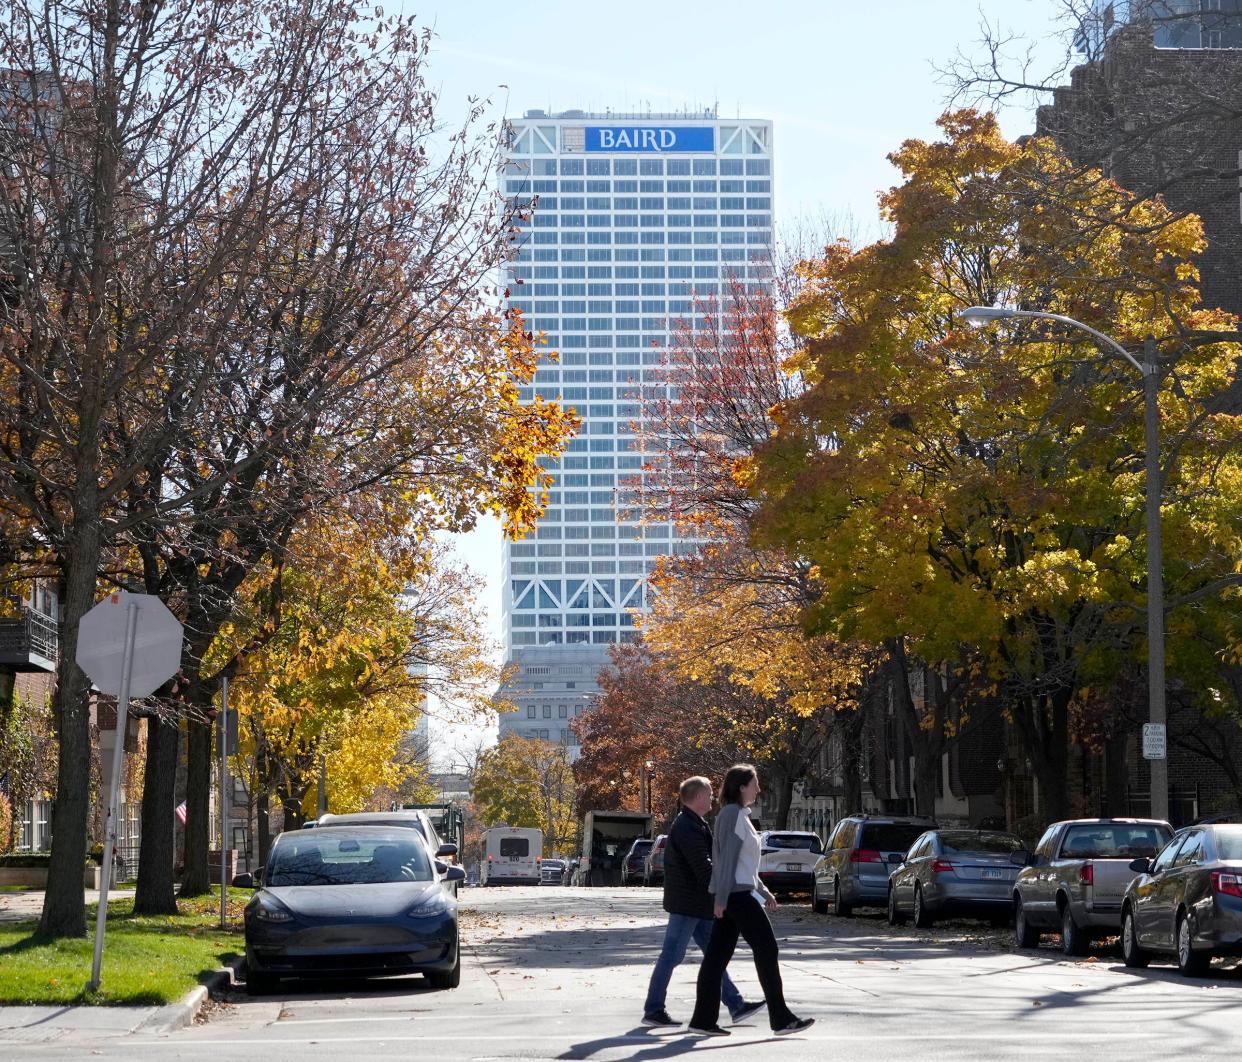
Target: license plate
795 867
993 874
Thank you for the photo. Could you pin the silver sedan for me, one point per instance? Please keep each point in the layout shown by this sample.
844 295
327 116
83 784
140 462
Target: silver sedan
956 872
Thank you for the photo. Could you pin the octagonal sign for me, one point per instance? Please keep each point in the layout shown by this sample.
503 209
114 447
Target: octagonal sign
157 644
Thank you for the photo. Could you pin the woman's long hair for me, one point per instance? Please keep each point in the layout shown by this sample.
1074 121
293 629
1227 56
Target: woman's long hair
736 779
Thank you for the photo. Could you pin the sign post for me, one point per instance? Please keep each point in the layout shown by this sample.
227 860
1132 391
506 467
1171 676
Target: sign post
128 645
224 799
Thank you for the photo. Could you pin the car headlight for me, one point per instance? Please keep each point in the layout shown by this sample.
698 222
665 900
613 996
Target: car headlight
431 905
267 911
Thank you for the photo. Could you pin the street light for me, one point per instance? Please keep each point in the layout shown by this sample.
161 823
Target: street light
981 316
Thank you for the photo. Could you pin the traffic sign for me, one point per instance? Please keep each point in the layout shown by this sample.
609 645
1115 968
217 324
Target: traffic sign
157 644
1155 744
129 645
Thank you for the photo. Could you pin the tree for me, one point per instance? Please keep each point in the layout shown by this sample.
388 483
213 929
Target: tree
527 782
983 490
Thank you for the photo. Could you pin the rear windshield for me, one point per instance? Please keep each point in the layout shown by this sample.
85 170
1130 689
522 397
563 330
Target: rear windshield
514 846
803 841
890 836
1112 841
971 841
640 847
1229 841
312 860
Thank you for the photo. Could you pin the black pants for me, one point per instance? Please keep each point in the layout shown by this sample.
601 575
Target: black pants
743 915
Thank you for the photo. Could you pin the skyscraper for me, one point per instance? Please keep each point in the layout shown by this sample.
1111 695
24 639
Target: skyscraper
638 221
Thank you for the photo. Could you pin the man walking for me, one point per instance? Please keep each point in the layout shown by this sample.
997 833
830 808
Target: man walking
687 874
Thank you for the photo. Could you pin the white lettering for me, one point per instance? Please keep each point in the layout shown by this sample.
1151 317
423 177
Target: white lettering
649 139
606 138
667 139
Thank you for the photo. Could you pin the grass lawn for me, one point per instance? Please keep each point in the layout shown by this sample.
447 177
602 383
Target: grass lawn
148 960
18 888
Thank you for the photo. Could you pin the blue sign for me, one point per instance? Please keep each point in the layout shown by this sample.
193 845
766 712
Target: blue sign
650 138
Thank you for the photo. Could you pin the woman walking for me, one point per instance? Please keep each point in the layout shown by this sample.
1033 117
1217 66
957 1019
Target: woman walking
739 899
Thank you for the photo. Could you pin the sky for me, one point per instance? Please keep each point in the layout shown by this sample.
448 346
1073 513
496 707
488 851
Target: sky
843 82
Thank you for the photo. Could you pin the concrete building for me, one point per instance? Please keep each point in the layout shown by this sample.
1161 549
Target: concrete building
636 222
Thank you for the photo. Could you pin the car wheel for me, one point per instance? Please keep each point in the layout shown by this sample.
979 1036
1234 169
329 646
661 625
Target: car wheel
1192 963
839 907
895 917
447 978
1025 935
1074 939
1131 953
817 905
259 984
922 916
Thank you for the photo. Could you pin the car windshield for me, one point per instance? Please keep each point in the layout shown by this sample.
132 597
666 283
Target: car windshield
313 859
1229 841
804 841
1112 841
978 841
890 836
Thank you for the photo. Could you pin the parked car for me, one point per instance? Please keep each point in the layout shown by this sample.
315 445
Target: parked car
653 865
551 871
962 872
635 858
351 901
862 849
1078 876
1187 902
787 860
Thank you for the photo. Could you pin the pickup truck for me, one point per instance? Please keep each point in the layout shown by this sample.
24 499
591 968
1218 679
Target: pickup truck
1076 877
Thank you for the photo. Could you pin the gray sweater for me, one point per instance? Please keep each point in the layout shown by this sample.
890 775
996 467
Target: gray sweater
726 847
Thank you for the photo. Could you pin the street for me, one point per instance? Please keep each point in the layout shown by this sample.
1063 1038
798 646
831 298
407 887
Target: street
561 973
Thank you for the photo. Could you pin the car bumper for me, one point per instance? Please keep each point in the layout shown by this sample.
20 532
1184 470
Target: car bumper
863 893
502 879
1097 915
352 951
787 879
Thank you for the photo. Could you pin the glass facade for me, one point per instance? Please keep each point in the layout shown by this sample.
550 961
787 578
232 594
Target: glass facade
622 249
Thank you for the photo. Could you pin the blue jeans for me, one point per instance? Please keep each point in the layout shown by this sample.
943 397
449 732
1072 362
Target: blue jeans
681 930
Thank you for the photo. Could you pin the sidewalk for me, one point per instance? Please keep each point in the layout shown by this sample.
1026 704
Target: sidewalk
20 906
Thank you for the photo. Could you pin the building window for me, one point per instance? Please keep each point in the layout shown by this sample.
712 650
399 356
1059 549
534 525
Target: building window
530 711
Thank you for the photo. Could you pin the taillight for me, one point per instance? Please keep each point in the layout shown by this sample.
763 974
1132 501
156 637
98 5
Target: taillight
865 855
1227 884
942 866
1086 874
489 858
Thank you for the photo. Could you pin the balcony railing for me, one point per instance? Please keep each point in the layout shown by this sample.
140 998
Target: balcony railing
29 642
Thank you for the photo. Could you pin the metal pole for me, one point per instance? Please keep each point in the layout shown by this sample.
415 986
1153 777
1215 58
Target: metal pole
224 797
114 789
321 805
1155 576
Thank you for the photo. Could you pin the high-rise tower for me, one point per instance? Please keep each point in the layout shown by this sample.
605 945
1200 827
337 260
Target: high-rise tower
639 220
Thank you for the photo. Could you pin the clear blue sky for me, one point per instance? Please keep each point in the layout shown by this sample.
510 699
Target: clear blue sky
844 82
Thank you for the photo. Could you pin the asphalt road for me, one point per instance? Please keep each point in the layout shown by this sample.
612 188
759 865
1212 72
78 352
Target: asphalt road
561 973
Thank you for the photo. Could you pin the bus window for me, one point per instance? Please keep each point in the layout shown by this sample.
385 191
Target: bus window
514 847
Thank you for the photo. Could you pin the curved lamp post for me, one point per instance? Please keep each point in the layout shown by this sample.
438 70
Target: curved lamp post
981 316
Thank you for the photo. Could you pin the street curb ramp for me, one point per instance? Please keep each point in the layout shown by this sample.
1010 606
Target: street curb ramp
178 1015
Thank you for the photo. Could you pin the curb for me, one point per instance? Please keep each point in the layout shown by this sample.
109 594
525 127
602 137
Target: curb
178 1015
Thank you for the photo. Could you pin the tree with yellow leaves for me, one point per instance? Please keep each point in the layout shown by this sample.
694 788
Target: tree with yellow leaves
527 782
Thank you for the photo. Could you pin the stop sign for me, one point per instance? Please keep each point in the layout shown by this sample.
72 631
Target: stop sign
157 644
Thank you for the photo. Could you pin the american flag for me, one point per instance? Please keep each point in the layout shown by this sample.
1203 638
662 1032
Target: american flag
179 811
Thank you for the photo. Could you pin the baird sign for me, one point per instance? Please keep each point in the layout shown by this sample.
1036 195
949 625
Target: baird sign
650 138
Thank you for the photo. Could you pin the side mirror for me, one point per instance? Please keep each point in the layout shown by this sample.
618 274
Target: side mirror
455 874
243 881
441 868
1142 865
446 849
1022 858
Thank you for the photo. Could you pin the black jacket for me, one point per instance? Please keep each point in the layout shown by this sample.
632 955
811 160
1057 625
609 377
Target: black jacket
688 866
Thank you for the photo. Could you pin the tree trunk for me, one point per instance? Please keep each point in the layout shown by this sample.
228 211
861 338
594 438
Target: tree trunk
1116 773
195 879
154 893
64 903
783 804
263 805
851 760
927 742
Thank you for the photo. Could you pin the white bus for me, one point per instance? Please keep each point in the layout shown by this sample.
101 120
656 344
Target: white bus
511 856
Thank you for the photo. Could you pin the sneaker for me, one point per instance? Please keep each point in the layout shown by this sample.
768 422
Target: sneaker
796 1026
746 1010
659 1019
711 1030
